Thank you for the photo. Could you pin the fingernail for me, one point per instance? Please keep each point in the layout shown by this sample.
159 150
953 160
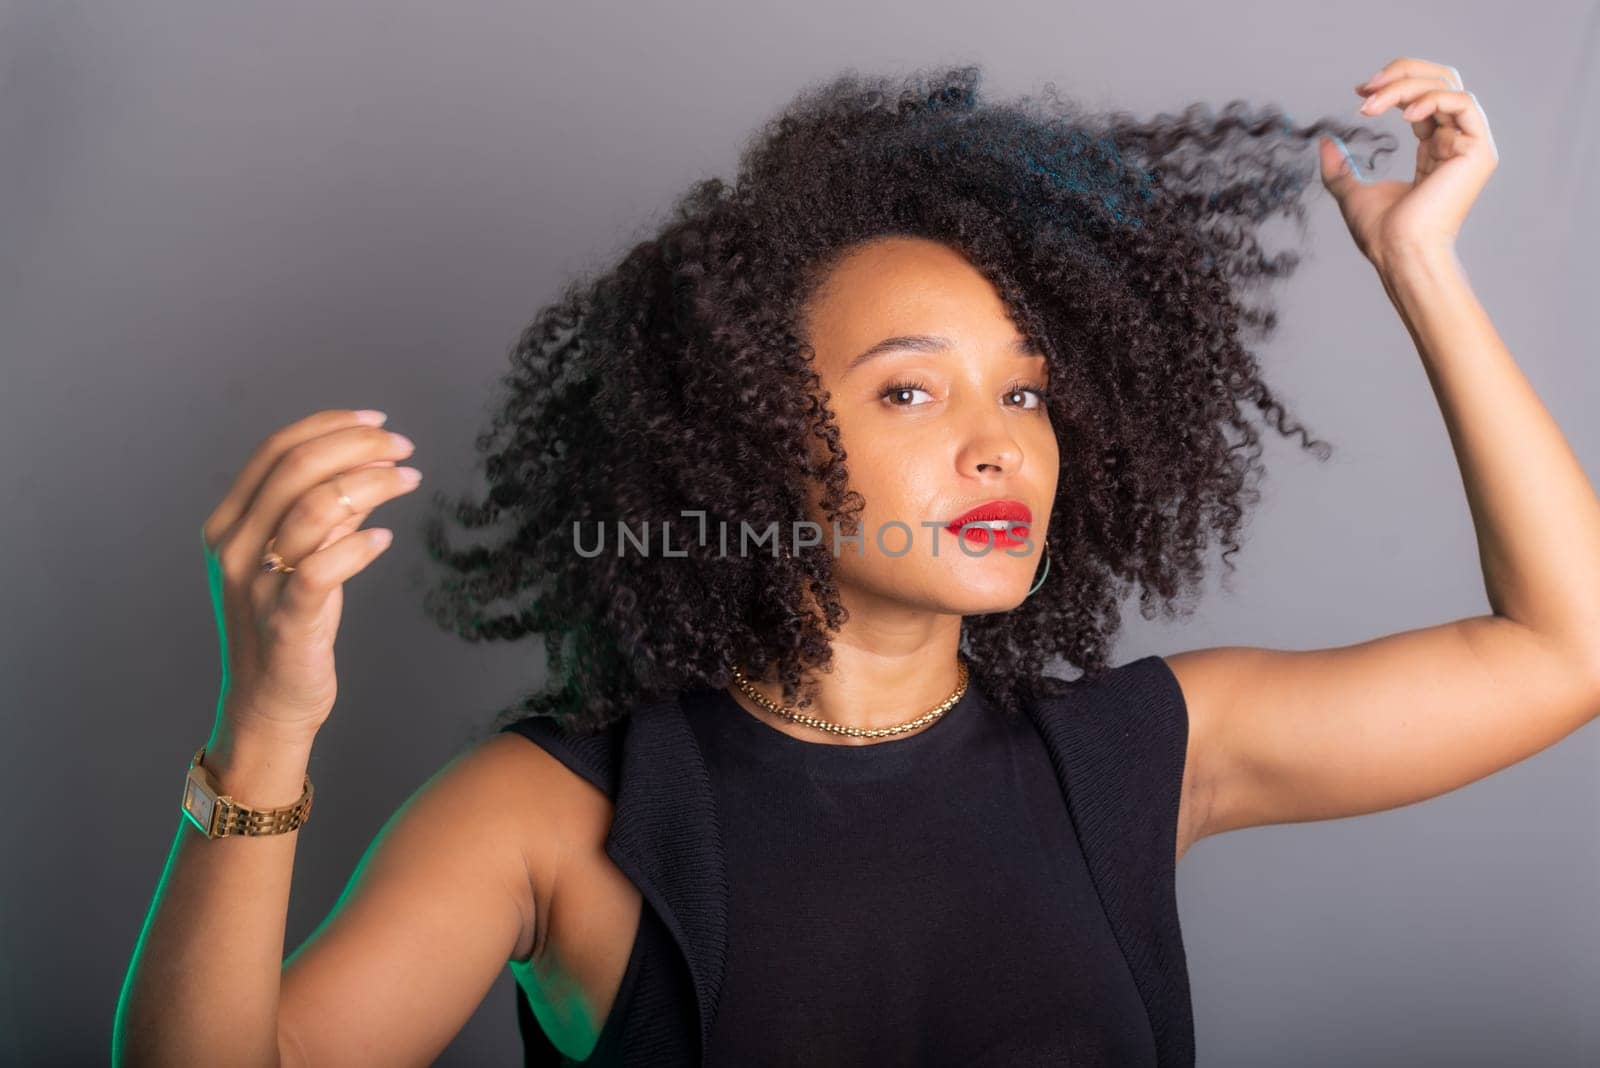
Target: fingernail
371 416
409 475
402 441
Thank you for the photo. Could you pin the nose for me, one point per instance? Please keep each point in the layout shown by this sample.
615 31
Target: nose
990 448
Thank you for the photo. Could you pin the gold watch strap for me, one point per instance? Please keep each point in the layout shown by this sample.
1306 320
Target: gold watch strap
230 818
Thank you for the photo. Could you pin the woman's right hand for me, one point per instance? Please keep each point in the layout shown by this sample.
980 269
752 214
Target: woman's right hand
309 486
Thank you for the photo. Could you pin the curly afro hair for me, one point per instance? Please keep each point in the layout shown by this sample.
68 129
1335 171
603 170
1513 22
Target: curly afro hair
678 381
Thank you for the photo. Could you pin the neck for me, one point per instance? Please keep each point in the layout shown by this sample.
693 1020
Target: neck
870 685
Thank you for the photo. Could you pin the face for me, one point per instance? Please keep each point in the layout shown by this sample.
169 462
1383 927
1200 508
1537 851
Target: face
932 428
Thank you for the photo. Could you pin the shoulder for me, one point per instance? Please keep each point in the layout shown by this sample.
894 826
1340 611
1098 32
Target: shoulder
546 804
1203 677
536 794
1149 685
590 757
559 783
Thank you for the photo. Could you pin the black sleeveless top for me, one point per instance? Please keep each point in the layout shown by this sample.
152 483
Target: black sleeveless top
916 901
920 900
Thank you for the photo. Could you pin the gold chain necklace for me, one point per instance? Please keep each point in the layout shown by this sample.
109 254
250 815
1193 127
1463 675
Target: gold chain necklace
795 716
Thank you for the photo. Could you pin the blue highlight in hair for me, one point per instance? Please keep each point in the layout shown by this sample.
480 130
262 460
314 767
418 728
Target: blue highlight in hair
1103 173
1082 164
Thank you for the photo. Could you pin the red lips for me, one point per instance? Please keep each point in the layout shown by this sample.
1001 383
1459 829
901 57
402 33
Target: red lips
1014 514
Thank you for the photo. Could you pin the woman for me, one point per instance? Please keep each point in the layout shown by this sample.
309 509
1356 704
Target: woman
890 422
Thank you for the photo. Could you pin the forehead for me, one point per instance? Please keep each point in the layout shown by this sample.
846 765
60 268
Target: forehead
904 285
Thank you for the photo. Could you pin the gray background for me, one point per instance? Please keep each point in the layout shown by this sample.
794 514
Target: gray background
215 218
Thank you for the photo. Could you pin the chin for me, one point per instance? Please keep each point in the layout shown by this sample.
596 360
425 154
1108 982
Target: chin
976 599
982 604
953 591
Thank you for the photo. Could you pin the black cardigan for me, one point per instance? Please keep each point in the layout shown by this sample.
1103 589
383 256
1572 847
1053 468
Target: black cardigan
1117 743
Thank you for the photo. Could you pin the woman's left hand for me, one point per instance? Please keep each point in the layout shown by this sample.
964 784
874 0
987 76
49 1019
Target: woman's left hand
1455 156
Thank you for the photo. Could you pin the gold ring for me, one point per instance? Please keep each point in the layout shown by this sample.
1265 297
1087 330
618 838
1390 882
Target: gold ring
274 564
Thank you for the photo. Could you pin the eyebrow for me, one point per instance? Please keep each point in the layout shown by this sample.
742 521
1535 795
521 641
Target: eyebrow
929 343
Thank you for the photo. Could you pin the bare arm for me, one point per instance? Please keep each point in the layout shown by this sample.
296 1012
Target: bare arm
203 984
1339 732
442 900
1327 733
375 985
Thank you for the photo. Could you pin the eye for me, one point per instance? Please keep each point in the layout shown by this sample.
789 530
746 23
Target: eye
893 390
1023 388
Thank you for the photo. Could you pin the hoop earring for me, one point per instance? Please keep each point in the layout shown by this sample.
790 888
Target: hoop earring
1040 580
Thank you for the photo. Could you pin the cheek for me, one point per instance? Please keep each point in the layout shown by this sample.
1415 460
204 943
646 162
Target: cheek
1040 444
1049 453
895 485
899 485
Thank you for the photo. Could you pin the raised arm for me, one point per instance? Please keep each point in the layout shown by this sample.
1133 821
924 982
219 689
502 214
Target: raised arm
1306 735
446 896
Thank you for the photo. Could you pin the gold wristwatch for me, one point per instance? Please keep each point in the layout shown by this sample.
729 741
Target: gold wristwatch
219 816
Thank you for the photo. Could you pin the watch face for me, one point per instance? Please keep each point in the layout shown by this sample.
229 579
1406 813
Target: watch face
197 805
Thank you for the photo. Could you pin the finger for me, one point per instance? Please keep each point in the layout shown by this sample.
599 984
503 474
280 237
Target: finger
354 522
1405 93
1423 129
1461 108
1339 171
244 487
340 501
298 470
1401 92
306 590
1410 66
357 519
1369 88
1443 145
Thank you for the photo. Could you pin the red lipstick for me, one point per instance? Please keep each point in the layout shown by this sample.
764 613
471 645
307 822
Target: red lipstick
1000 523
